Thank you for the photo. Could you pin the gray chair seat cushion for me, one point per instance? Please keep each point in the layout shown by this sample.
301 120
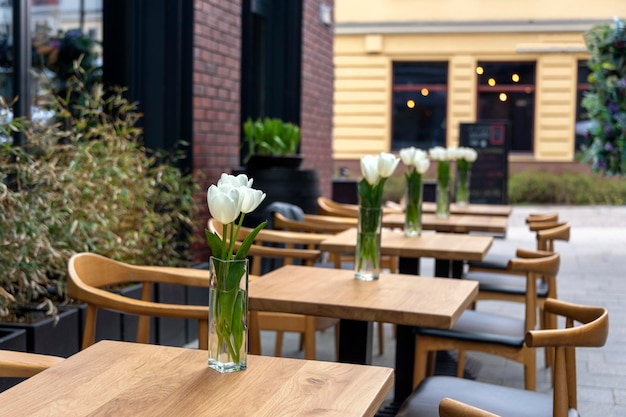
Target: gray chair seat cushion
506 283
482 327
493 261
497 399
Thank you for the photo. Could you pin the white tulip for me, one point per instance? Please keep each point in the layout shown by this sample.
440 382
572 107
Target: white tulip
438 153
453 153
369 169
250 199
387 164
240 180
408 155
421 163
469 154
224 203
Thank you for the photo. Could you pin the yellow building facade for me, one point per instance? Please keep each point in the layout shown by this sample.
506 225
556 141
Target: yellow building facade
378 43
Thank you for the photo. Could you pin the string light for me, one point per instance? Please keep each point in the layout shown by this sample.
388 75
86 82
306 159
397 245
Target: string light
410 104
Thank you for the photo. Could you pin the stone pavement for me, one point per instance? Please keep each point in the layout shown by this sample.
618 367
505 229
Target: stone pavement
592 272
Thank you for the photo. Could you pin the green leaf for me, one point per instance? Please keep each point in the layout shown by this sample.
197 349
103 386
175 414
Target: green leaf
247 242
215 243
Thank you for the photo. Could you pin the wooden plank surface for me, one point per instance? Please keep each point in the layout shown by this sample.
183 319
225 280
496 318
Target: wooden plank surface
130 379
456 247
393 298
475 209
455 223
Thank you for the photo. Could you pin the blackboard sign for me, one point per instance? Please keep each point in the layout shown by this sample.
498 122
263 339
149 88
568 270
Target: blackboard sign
489 175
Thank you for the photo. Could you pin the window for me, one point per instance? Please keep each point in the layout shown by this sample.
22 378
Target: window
582 119
506 91
420 92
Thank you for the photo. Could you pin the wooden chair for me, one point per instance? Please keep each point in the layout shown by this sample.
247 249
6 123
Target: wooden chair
495 283
329 207
497 261
288 247
23 364
453 408
313 223
512 402
90 275
488 332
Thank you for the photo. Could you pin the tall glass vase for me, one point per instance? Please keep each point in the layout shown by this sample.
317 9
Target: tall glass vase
228 313
443 190
463 183
367 257
413 211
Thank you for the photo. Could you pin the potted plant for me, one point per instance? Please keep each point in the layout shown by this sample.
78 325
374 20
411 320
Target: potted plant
83 184
271 142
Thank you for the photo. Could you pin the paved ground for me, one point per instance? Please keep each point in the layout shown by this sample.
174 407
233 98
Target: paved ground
592 272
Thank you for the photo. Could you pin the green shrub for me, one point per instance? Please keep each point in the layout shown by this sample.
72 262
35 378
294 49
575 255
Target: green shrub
86 183
538 187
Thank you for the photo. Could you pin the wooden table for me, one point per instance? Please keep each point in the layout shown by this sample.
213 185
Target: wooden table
455 223
131 379
406 300
475 209
441 246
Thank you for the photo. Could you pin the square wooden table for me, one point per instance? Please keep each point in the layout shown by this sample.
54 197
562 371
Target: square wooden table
473 208
406 300
441 246
455 223
132 379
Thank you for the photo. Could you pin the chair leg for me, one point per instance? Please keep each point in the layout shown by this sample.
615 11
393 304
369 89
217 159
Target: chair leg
254 334
381 338
309 338
89 334
278 348
530 371
143 329
460 366
419 371
203 334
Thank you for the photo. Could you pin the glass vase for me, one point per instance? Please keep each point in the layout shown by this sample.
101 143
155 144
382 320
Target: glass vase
228 313
367 257
463 183
443 190
413 211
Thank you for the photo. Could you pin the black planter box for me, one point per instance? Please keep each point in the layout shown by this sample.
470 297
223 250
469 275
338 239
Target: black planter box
50 337
11 339
170 331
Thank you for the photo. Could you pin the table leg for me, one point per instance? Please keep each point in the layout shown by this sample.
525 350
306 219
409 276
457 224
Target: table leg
409 266
405 360
355 341
442 268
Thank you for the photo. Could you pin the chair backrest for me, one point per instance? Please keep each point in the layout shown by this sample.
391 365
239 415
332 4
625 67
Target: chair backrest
544 266
23 364
286 246
332 208
542 217
593 332
90 276
547 237
314 223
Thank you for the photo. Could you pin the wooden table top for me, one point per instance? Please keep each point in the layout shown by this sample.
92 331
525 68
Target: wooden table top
455 223
393 298
476 209
455 247
132 379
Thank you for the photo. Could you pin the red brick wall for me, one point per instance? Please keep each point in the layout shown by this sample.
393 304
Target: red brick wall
216 99
216 81
317 93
